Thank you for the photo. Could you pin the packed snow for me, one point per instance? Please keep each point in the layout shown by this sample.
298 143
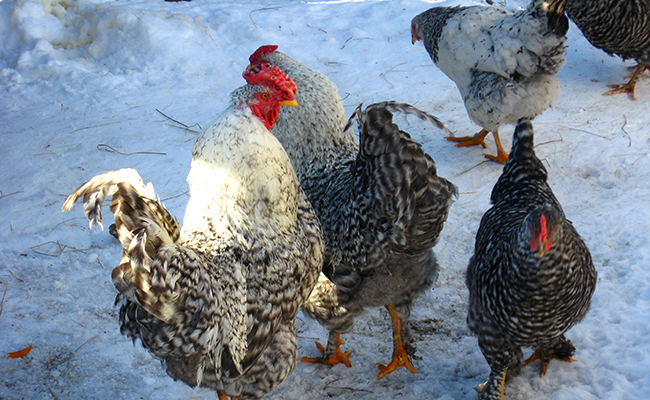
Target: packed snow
89 86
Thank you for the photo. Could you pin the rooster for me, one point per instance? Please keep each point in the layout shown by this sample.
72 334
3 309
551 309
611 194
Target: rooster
618 27
531 277
504 64
381 203
216 300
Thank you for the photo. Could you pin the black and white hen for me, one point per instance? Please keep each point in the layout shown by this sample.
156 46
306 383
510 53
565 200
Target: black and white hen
380 201
619 27
531 277
504 63
216 300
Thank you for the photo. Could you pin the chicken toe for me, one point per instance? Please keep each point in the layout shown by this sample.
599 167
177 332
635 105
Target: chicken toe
545 357
464 141
629 86
332 354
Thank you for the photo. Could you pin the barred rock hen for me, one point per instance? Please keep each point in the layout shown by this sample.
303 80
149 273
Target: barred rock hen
531 277
619 27
216 301
381 204
504 64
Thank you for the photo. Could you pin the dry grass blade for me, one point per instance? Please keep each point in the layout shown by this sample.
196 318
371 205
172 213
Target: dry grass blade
59 249
2 303
120 388
95 126
383 74
353 38
585 131
329 386
25 365
85 343
626 133
54 361
58 151
2 195
173 197
105 147
250 15
52 393
182 125
469 169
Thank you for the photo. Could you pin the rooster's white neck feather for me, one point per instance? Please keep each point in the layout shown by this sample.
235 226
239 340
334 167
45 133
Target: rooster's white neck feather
240 177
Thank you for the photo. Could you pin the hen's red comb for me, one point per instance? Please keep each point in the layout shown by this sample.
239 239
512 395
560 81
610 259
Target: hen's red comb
266 49
266 74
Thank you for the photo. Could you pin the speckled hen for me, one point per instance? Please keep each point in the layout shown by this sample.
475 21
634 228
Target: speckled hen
531 277
216 300
619 27
504 63
381 203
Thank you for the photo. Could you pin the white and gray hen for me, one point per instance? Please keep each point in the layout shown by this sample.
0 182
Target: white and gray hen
504 63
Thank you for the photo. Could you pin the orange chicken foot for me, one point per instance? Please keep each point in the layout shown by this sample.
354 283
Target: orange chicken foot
400 356
479 139
331 355
629 86
545 358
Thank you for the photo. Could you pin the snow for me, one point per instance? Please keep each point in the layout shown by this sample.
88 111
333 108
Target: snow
84 85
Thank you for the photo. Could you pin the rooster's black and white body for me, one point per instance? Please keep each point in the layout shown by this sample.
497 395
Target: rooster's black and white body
380 201
504 63
216 300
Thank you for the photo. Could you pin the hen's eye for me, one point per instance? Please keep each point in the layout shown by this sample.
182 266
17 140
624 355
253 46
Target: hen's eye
266 96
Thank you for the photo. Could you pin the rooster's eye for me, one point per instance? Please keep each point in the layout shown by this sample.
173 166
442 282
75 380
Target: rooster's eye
266 96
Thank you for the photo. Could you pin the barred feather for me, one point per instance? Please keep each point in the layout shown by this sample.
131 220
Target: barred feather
381 202
620 27
216 301
519 297
395 106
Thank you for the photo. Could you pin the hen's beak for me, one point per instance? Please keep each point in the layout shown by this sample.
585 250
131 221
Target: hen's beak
290 103
413 39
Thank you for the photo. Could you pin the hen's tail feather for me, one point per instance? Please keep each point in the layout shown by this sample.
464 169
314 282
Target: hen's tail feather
395 106
143 225
398 181
523 139
133 204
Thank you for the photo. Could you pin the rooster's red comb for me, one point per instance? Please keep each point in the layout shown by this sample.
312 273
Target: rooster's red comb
266 49
266 74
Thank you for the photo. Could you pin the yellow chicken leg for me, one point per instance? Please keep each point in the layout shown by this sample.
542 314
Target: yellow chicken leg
479 139
400 356
629 86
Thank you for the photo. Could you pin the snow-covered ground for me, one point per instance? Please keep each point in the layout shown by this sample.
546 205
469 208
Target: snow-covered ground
83 88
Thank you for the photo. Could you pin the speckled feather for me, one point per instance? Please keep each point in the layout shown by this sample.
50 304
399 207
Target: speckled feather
216 301
381 203
619 27
517 298
504 64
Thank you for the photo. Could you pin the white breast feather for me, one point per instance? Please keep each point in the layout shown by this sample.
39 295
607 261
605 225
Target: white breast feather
241 175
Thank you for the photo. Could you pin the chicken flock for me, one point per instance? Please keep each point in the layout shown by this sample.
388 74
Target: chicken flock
288 210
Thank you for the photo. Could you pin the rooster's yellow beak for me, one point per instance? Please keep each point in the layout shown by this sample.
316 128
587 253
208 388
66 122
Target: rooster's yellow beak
290 103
